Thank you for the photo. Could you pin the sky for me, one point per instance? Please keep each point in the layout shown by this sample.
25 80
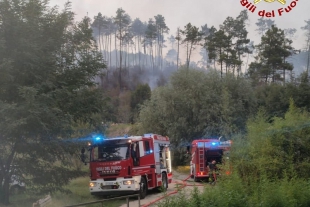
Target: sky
178 13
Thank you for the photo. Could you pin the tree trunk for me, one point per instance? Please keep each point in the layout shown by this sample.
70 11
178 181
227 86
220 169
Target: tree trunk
116 58
221 63
239 66
247 61
120 61
107 47
99 34
5 191
125 56
145 55
110 63
178 48
139 51
5 187
189 55
308 61
187 63
227 60
284 72
152 57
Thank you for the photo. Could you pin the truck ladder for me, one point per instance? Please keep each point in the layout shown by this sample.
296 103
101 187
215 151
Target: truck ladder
201 157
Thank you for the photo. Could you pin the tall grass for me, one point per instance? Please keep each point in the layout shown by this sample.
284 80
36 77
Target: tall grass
230 191
80 194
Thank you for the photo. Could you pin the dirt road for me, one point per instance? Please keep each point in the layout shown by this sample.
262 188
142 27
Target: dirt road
155 195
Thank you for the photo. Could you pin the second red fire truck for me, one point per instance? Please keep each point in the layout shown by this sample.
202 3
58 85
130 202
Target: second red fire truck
127 165
204 151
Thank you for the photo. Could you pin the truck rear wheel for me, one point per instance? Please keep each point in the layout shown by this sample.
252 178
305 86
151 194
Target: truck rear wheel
195 179
164 181
143 188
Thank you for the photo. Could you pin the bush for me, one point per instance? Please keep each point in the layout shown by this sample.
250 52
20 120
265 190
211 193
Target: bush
270 166
231 191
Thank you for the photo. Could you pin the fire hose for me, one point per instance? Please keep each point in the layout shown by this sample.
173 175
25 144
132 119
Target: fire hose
184 184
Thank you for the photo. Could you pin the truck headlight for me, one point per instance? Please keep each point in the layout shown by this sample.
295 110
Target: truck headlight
128 182
92 184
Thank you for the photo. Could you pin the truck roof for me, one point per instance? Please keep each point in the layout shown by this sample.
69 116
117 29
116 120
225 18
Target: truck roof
157 137
204 140
212 143
137 138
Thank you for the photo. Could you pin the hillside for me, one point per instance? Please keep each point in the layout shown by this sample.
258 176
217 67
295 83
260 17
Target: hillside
115 130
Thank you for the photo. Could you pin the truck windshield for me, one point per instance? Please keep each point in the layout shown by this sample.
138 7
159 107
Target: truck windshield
111 150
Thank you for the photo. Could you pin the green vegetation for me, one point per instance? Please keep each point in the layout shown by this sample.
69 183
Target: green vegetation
79 194
270 67
47 66
231 192
183 169
270 166
196 104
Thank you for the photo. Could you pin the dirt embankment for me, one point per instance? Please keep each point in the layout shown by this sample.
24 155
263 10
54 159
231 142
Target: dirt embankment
116 130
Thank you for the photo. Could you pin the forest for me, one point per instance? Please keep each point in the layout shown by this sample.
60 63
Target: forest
133 51
62 80
130 45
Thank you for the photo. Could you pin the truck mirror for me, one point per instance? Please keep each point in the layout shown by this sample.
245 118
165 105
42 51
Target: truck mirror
83 150
187 148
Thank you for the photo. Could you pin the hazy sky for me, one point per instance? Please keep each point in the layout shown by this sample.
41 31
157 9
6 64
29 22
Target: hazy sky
178 13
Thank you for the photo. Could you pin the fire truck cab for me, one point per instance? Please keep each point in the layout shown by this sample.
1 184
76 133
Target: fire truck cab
203 151
127 165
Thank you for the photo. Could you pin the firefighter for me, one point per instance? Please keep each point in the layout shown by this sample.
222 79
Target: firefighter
212 170
162 164
134 153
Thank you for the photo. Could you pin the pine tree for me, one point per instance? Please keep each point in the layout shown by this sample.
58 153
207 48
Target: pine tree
271 59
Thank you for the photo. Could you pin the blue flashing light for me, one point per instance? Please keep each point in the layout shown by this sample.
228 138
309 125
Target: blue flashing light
213 143
98 138
148 135
200 144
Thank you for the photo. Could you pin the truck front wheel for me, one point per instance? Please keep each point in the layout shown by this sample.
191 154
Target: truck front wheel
143 188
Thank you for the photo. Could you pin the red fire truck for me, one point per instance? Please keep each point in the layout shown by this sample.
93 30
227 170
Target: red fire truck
203 151
127 165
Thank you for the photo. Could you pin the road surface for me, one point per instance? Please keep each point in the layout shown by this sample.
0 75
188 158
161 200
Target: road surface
155 195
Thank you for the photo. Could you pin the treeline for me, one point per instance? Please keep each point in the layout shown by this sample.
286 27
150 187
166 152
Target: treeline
133 52
269 81
199 104
132 46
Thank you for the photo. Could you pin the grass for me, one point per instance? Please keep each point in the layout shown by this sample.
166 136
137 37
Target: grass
231 191
183 169
21 200
80 194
